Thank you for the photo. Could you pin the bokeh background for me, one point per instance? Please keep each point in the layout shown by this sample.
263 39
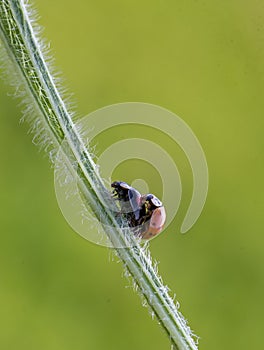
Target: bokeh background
203 60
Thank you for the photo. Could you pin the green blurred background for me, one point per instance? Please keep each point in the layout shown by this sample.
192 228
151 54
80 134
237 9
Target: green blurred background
203 60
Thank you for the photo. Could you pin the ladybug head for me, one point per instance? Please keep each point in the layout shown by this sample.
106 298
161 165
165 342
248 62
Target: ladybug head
121 190
120 185
152 202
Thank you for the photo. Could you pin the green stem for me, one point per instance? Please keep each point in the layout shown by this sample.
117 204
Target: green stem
25 51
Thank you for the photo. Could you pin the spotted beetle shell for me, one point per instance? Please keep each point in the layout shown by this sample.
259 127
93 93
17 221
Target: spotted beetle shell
156 223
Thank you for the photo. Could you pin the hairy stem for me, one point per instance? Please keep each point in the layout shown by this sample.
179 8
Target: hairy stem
24 49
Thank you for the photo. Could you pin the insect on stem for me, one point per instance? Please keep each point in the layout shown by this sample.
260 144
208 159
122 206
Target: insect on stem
52 121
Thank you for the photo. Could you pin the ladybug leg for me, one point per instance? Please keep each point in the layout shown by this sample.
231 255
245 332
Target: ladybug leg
115 194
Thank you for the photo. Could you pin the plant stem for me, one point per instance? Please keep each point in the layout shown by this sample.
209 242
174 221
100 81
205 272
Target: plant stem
24 49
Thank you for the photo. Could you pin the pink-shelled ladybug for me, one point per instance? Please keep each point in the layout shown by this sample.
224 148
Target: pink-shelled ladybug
153 216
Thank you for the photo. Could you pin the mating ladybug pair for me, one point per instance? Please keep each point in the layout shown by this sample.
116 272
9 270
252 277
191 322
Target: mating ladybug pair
144 213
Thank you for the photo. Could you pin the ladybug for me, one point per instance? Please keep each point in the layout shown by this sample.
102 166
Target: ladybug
144 213
153 216
130 201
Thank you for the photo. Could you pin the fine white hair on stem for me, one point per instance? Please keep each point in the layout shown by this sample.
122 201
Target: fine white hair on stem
53 127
